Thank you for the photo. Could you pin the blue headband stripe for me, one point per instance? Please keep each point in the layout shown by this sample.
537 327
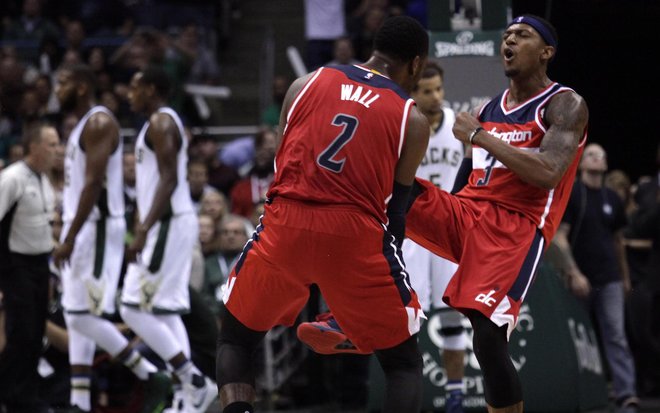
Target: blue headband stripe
539 26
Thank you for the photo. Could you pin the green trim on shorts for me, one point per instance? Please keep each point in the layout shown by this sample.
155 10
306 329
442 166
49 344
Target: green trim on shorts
99 252
158 310
159 249
104 315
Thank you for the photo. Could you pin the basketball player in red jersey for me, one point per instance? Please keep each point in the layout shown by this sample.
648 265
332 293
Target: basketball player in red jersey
352 140
526 145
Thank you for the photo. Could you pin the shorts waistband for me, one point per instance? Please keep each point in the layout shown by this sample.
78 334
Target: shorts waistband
318 205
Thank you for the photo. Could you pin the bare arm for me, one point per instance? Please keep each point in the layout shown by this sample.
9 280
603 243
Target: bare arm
567 116
414 147
99 139
577 282
166 141
57 336
620 248
291 94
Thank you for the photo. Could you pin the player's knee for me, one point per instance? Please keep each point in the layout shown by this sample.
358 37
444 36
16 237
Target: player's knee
236 346
403 357
487 335
128 315
455 342
73 321
233 332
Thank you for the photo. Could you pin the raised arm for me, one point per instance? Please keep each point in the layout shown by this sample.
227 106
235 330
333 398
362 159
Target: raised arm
566 115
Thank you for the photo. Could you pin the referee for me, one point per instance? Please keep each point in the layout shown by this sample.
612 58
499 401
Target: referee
27 203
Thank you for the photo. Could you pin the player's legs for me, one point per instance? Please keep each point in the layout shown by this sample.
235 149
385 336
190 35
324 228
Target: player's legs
156 291
402 365
81 359
454 340
368 289
503 390
234 367
418 264
500 256
369 292
453 334
265 288
437 219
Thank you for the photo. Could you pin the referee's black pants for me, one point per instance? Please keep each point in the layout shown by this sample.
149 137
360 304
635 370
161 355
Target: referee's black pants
24 281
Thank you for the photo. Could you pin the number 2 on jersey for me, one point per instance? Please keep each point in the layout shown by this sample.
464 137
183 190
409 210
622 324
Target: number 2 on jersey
325 159
487 170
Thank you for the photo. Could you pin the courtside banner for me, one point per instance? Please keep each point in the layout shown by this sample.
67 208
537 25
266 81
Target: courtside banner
554 348
472 66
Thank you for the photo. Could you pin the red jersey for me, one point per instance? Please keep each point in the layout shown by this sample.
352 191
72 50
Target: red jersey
523 127
342 141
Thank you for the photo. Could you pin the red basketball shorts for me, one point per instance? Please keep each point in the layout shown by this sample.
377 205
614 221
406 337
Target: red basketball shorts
347 253
497 250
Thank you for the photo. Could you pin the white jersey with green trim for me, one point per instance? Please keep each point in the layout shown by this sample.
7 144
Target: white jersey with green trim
75 164
443 154
148 176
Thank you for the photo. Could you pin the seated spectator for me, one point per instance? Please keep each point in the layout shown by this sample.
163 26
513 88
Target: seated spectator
221 176
371 22
216 205
69 121
16 152
234 234
50 54
29 111
343 52
31 25
198 181
48 104
238 152
74 36
271 115
204 66
257 212
56 174
12 71
252 189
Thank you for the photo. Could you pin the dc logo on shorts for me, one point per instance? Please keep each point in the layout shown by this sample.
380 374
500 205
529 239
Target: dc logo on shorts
486 298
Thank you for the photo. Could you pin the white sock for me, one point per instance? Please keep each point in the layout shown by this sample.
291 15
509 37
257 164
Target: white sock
81 392
139 365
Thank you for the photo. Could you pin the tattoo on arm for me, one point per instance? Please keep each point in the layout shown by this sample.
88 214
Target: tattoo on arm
567 116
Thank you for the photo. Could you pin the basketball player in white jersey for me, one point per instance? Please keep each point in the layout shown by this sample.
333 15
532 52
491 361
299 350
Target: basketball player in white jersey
92 242
155 289
429 273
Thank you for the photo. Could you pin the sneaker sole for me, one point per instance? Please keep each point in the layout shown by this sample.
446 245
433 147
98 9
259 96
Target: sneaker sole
325 342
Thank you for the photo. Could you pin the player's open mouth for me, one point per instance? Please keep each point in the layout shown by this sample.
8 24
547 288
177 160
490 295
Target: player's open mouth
508 54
